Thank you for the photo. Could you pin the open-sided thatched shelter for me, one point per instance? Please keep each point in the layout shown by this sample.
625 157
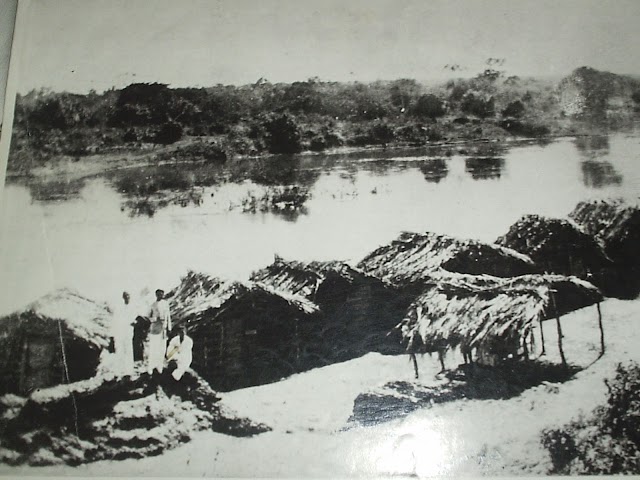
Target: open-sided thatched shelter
490 314
413 257
559 246
56 340
244 334
356 311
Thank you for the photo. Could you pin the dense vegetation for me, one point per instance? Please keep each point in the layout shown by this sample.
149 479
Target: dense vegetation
608 442
223 121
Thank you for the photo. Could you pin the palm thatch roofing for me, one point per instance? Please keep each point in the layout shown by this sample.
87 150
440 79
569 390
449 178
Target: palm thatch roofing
54 340
481 311
356 311
413 257
615 224
304 279
199 295
556 246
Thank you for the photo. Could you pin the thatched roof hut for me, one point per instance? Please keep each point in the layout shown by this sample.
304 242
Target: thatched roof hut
487 312
413 257
244 333
57 339
615 224
559 246
356 311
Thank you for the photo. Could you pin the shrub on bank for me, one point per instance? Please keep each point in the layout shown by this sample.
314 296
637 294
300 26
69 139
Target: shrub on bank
606 443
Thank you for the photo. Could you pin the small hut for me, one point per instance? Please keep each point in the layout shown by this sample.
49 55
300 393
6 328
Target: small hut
617 226
356 311
413 257
56 340
244 334
559 246
494 316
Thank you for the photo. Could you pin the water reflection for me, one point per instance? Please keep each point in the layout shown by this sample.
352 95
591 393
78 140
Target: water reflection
434 170
592 147
596 172
56 190
599 174
484 168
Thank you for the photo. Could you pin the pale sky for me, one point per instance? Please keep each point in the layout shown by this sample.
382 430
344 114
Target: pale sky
77 45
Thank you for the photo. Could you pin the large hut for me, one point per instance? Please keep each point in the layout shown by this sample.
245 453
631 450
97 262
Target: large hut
617 226
559 246
244 334
413 257
56 340
356 311
492 315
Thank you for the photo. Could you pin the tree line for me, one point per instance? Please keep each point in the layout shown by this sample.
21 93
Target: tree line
281 118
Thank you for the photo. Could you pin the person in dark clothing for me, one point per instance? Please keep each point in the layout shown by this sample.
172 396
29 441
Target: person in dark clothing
140 333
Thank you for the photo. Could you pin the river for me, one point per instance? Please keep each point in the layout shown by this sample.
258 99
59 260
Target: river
86 240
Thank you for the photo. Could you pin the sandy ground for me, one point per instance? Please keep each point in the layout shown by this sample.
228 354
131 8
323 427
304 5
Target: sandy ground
308 413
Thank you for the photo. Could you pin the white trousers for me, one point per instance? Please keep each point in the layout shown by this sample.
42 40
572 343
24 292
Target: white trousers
183 362
123 343
157 347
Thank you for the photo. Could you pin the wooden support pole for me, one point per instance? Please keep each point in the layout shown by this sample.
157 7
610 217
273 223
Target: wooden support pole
559 327
564 360
542 338
601 329
412 356
441 358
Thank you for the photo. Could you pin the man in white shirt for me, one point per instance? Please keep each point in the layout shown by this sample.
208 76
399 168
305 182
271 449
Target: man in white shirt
180 351
122 334
160 318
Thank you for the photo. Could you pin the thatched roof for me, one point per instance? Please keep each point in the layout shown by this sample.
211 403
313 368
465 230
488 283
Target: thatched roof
303 279
83 318
556 245
198 294
413 257
616 224
56 338
481 310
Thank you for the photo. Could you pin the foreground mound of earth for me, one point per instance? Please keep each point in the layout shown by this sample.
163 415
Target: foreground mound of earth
116 418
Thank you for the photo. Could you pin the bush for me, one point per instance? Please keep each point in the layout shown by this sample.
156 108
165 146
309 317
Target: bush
608 442
282 134
478 106
514 109
429 106
169 133
49 114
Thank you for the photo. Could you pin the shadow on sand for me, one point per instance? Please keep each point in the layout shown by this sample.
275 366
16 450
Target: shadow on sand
475 382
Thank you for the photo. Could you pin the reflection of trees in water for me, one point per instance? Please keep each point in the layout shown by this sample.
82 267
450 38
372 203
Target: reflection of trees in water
599 174
483 168
56 190
148 205
279 170
596 173
434 169
593 146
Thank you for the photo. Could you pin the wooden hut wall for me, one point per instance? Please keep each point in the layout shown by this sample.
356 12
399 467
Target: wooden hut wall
252 339
32 355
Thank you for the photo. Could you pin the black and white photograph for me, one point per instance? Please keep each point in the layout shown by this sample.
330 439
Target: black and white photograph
320 238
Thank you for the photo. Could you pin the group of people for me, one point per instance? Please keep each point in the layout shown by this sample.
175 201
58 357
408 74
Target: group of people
154 342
